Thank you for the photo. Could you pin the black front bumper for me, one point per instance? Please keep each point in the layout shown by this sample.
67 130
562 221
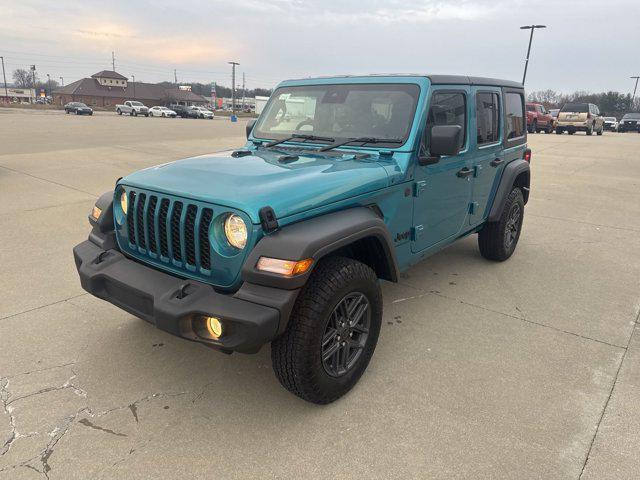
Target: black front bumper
251 317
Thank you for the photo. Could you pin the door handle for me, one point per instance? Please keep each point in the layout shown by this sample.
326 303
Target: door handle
464 173
496 162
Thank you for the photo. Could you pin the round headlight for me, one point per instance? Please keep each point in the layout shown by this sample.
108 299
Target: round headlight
124 202
235 231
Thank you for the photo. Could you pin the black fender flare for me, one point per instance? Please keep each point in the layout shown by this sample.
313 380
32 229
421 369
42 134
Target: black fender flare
316 238
102 233
511 172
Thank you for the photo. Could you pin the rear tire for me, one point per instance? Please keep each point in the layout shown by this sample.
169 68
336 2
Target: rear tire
332 333
590 130
558 131
498 240
119 112
601 131
134 113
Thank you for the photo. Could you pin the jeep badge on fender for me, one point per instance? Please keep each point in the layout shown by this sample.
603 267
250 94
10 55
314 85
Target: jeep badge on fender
343 182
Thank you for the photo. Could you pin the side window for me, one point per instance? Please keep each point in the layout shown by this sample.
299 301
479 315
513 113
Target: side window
514 113
447 108
487 117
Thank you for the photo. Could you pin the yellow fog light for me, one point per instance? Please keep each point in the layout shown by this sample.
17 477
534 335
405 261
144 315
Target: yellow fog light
288 268
95 213
214 327
124 201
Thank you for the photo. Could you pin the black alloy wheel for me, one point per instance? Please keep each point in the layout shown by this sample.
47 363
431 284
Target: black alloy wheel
513 225
346 334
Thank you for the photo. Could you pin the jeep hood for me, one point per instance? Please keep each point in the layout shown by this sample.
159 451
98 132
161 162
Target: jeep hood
261 179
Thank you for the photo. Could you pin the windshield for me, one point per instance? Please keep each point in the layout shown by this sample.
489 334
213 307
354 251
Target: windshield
576 108
631 115
136 104
383 111
531 108
610 119
80 105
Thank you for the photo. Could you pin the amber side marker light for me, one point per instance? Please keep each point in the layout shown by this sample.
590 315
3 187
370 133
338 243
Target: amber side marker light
95 213
288 268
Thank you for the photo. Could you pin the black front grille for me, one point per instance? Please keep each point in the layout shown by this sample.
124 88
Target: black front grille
170 229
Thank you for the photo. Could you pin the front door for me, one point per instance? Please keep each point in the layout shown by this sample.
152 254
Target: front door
443 190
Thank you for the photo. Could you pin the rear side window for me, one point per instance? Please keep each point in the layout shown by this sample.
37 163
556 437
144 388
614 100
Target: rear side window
487 117
447 108
514 115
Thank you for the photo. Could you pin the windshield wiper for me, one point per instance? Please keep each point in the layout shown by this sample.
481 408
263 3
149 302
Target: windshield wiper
362 140
301 137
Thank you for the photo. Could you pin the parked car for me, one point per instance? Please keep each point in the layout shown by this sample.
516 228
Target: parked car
538 119
162 112
285 239
203 112
184 111
585 117
630 122
611 123
78 108
133 108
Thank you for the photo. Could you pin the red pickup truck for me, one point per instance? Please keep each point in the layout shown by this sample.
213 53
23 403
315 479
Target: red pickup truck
539 119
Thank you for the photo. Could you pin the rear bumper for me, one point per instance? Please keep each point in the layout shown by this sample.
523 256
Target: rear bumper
251 317
573 125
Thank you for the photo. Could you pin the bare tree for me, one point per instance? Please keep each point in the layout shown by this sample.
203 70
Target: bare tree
23 78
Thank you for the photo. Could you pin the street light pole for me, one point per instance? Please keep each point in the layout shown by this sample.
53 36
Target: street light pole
526 62
635 89
62 81
4 76
49 83
233 86
134 86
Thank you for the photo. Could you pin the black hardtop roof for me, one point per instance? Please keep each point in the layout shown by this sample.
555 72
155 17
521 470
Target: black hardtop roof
435 79
464 80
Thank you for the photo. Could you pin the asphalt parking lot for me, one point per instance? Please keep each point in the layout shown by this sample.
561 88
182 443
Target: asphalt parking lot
529 369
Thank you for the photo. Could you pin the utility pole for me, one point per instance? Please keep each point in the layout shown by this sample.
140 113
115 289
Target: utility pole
113 61
134 86
61 81
49 83
4 76
233 86
243 89
633 97
33 74
526 62
175 76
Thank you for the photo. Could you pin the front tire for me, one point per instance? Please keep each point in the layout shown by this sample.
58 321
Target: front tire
590 130
332 333
134 113
498 240
533 128
119 112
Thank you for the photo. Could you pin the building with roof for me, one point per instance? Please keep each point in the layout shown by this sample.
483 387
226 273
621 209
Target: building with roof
108 88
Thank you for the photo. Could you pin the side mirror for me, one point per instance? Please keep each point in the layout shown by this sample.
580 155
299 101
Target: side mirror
250 125
445 140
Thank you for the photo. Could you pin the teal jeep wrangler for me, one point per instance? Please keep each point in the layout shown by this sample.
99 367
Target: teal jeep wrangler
344 181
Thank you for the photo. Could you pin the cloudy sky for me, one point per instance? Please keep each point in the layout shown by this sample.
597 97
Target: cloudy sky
588 45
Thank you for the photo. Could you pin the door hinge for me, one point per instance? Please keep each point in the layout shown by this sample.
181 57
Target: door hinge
473 208
419 187
416 232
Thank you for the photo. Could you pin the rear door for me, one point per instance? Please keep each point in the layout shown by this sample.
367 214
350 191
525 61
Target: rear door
488 157
443 189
